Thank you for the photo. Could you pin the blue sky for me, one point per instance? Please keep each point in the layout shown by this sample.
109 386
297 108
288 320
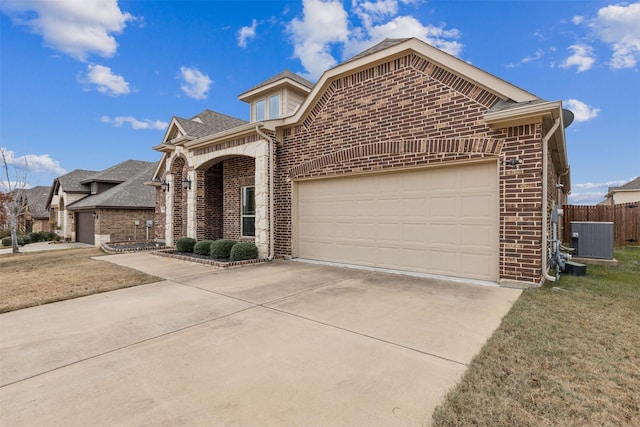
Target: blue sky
86 84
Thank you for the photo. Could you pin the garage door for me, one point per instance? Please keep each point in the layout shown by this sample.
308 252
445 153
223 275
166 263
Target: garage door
85 227
440 221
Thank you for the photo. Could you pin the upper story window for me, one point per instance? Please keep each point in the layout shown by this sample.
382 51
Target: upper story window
94 188
260 107
274 107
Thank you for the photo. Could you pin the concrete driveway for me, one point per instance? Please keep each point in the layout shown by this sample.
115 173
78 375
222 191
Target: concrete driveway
285 343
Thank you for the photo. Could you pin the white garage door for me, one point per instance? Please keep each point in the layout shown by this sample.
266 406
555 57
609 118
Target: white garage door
434 220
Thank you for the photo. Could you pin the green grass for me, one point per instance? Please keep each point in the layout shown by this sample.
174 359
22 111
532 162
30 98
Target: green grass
567 354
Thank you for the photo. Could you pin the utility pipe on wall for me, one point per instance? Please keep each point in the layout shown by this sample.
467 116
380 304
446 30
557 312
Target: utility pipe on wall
545 201
271 213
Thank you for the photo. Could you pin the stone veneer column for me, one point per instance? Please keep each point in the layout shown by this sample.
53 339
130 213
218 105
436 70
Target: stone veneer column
168 222
262 198
192 205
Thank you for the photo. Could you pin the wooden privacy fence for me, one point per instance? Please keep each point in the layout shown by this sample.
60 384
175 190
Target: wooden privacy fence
625 218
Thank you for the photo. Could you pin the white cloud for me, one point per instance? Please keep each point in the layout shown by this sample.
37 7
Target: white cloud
135 124
326 25
105 80
195 84
531 58
582 58
580 110
34 162
577 20
323 23
76 27
247 33
619 26
607 184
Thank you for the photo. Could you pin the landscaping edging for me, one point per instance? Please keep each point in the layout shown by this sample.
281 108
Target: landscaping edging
110 247
172 253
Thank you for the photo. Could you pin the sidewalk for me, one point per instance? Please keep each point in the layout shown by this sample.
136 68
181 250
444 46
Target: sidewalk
45 246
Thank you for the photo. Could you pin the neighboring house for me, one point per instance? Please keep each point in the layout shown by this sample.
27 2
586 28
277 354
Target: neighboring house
36 215
630 192
111 205
402 158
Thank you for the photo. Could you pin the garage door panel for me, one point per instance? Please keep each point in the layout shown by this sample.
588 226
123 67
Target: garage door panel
439 221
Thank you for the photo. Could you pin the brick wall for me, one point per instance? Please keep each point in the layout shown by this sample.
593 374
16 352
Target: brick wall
209 214
407 113
120 223
237 172
179 171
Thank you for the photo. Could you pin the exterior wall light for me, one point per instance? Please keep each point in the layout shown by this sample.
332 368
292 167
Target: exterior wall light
186 183
513 162
164 186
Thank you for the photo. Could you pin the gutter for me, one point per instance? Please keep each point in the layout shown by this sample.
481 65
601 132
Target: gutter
545 201
271 213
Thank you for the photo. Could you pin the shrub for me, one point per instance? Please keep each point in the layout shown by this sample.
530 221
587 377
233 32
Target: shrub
185 244
6 241
203 247
5 233
243 250
50 236
221 248
24 240
37 236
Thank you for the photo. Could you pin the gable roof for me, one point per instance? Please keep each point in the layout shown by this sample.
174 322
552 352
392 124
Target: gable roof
286 74
118 173
205 123
130 194
37 201
71 182
384 44
632 185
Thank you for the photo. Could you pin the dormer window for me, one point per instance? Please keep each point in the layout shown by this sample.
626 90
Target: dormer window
94 188
260 107
274 107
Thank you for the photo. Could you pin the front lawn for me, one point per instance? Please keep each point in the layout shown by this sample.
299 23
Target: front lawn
567 354
34 278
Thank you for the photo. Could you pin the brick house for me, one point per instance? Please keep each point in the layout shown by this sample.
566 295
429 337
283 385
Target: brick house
100 206
36 216
402 158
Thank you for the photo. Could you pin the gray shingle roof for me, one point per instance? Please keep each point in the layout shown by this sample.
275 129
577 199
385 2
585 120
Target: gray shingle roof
71 182
212 122
131 194
384 44
118 173
281 75
37 201
631 185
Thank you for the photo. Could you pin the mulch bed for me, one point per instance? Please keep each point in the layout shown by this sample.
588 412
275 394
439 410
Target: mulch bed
191 257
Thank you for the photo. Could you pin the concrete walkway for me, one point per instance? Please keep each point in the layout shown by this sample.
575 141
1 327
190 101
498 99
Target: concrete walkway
284 343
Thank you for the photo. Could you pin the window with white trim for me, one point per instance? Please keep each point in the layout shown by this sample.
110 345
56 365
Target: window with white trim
94 188
248 212
274 107
260 107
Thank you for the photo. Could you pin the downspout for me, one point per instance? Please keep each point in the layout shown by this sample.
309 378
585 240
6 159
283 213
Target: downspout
271 213
545 201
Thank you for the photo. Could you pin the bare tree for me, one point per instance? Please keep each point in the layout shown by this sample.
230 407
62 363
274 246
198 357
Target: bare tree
14 200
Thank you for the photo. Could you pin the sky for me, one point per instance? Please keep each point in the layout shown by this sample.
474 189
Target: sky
87 84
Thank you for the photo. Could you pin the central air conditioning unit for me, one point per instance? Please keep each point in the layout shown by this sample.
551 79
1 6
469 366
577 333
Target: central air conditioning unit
592 239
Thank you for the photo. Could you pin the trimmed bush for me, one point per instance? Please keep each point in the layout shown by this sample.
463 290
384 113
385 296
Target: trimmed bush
24 240
203 247
185 244
243 250
221 249
6 241
37 236
50 236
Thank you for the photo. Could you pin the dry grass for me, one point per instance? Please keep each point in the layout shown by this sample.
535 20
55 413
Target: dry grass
561 357
35 278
